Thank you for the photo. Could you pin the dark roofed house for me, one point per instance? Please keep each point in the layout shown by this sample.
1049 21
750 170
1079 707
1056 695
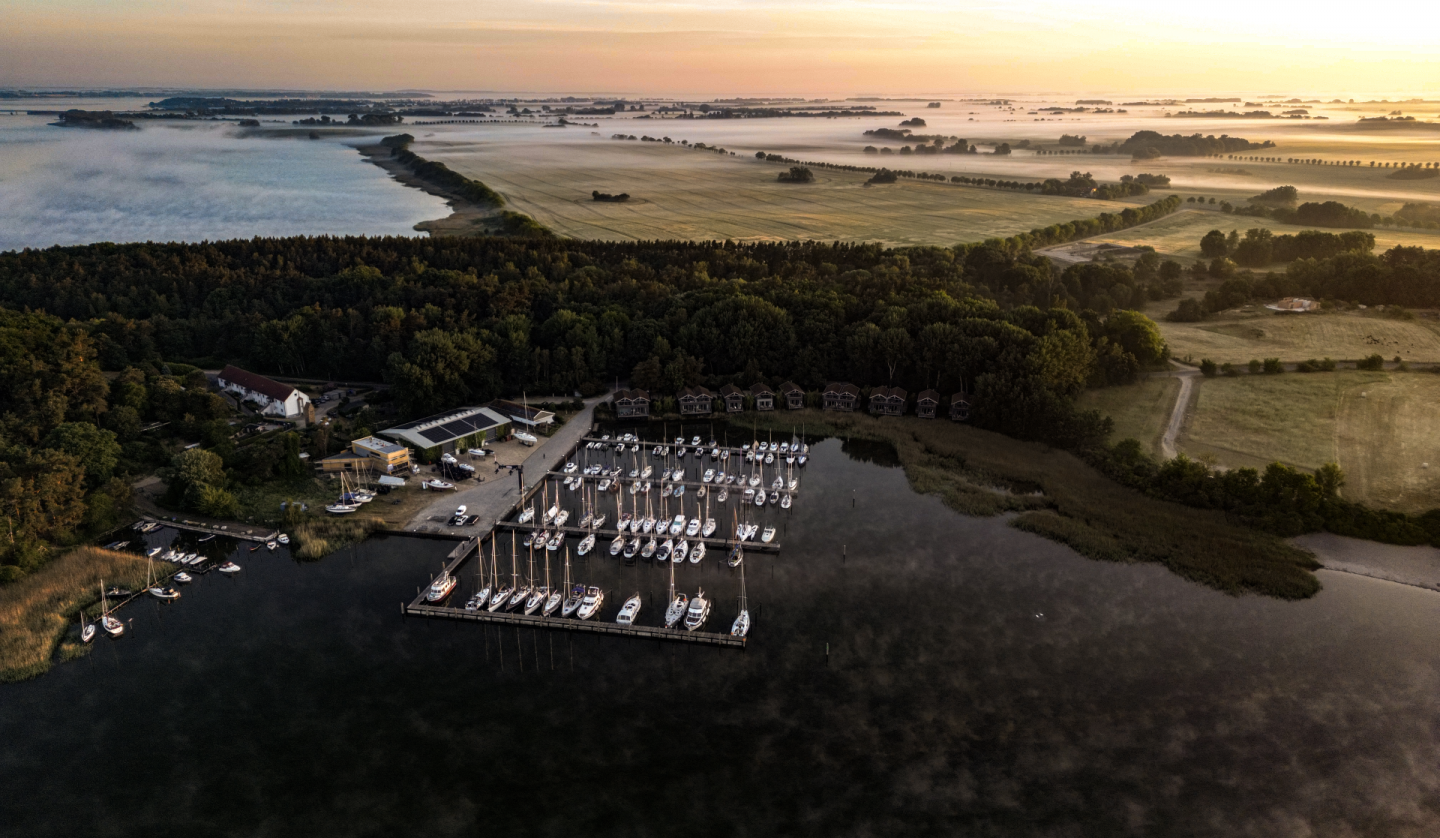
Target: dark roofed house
695 401
522 414
793 394
453 430
959 407
927 403
887 401
764 397
274 398
733 397
632 403
841 395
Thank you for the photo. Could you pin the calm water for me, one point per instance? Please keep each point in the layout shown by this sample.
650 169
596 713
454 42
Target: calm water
171 182
980 681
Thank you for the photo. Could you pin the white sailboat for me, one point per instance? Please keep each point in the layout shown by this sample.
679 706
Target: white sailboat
552 600
575 592
500 593
537 596
675 612
112 626
87 630
520 593
741 626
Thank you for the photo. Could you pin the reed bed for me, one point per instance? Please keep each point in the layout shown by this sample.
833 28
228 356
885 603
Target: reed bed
318 537
36 611
1062 498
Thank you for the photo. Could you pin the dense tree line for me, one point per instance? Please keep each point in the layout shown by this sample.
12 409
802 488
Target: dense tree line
1260 247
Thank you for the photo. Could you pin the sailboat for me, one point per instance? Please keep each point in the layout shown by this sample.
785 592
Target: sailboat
112 626
741 626
347 502
698 611
697 552
87 630
520 593
481 597
709 528
501 594
629 611
552 599
537 596
576 592
158 591
678 603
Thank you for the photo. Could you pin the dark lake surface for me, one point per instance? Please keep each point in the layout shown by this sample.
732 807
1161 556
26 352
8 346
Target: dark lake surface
980 681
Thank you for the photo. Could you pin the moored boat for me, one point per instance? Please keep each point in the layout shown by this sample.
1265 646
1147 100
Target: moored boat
629 611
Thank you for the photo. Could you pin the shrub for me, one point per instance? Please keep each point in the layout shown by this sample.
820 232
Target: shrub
1273 366
1254 366
1208 368
1373 362
1189 311
1229 369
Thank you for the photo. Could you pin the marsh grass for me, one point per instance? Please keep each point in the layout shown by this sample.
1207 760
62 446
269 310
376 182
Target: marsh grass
37 611
318 537
1062 498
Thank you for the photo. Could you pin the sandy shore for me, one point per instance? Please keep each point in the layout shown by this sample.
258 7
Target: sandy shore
1416 566
465 219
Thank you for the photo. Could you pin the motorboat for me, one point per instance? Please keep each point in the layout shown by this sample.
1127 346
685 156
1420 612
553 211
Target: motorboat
695 442
572 602
663 554
283 538
271 545
714 453
768 535
182 577
698 612
646 472
676 610
769 457
677 524
526 515
571 467
525 439
677 474
679 452
154 551
229 567
590 605
679 440
605 485
682 551
692 528
793 484
437 484
708 476
632 547
629 611
441 587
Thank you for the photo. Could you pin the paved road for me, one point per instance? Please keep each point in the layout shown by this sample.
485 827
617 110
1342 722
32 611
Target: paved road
490 499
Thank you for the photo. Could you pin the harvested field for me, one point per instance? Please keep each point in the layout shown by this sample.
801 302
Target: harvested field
677 193
1381 427
1258 333
1140 411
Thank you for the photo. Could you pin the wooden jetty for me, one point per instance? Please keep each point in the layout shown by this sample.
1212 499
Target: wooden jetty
736 488
703 638
703 450
195 526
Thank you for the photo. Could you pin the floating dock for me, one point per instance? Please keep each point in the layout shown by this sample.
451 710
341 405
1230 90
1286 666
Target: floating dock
703 638
609 535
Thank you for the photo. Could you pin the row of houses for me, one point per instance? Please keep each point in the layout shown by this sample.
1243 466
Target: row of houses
838 396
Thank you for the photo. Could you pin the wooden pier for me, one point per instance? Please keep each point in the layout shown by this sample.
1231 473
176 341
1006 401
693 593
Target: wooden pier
703 451
194 526
736 488
703 638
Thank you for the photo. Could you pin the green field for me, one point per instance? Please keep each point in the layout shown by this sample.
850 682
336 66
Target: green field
1179 235
678 193
1381 427
1140 411
1255 332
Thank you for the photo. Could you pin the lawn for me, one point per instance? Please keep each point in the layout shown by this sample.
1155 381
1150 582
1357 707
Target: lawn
1255 332
1380 427
678 193
1140 411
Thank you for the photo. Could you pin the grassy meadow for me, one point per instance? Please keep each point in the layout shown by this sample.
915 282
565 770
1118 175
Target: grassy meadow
1380 427
1140 411
1255 332
677 193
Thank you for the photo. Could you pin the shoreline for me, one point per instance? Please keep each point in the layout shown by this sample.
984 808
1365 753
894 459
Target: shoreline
1416 567
465 218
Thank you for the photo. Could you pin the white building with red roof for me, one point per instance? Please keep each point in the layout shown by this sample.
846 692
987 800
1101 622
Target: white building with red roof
274 398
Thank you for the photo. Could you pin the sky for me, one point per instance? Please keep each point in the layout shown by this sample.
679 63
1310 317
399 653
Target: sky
729 47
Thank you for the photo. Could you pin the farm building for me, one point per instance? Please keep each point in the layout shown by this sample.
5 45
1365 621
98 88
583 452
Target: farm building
927 403
887 401
793 394
451 431
274 398
696 401
841 395
764 397
733 397
630 404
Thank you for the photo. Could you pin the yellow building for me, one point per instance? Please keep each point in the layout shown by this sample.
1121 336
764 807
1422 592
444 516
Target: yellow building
370 453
